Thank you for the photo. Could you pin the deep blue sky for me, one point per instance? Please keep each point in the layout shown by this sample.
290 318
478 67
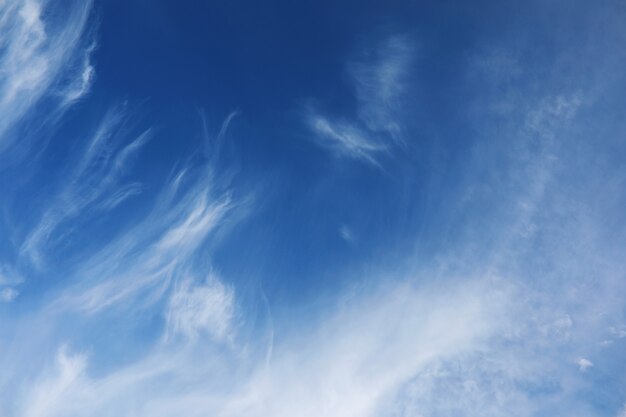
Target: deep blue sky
329 208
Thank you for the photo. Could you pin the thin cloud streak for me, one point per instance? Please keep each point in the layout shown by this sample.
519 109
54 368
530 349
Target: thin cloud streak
345 139
94 183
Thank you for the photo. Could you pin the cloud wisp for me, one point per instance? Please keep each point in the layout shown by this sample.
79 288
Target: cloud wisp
380 82
45 62
160 249
94 185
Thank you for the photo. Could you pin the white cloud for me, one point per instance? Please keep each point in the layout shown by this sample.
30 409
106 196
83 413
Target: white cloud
81 84
347 363
345 139
196 308
359 358
40 59
142 261
380 84
584 364
134 271
93 184
151 254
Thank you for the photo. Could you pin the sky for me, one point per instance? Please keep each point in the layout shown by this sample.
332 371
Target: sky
318 208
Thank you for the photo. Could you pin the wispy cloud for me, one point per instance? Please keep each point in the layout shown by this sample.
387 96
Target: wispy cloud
345 139
380 82
354 362
93 184
41 59
345 365
157 251
49 393
584 364
154 262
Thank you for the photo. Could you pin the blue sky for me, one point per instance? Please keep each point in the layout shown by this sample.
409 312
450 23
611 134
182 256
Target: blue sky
342 209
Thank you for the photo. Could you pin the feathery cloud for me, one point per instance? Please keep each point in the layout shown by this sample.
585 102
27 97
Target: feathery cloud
93 184
380 81
41 59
